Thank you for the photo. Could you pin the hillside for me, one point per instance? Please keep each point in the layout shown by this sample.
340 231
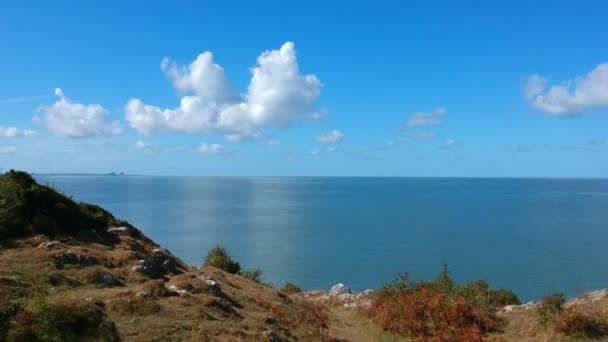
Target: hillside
71 271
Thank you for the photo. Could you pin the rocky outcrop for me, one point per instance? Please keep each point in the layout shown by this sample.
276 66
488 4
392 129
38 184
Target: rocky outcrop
587 298
68 257
159 264
339 294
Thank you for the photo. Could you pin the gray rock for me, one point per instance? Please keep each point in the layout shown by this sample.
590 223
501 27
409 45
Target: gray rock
160 263
106 279
67 258
170 265
339 289
88 260
213 286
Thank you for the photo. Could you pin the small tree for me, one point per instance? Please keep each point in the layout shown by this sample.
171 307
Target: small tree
551 308
291 288
218 257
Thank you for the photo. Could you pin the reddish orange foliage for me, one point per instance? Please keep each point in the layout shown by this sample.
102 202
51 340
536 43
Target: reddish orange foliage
431 314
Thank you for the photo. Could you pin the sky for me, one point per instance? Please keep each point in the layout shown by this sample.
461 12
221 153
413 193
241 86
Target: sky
306 88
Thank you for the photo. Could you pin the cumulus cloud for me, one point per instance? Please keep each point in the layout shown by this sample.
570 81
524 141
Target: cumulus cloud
334 136
76 120
210 148
426 119
13 132
572 97
7 149
202 77
277 95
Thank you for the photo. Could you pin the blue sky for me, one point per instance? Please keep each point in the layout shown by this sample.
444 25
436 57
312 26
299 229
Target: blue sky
427 88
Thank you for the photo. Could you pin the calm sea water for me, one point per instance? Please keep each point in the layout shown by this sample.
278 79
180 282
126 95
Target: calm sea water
534 236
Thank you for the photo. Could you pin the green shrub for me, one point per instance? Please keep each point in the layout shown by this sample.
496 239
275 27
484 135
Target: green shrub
28 208
218 257
551 307
8 310
61 320
503 297
290 288
254 274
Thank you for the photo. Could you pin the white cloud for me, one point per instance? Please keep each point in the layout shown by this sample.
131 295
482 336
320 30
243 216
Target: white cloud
202 77
142 145
334 136
277 95
210 148
24 99
273 142
536 85
76 120
572 97
331 149
426 119
450 143
425 135
7 149
13 132
315 152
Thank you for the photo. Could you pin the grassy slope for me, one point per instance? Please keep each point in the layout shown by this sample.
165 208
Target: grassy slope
41 299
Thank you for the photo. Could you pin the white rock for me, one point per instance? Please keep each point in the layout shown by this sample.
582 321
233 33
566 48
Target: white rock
50 244
119 230
339 289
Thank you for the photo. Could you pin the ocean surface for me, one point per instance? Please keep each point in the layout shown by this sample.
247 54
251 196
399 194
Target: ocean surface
535 236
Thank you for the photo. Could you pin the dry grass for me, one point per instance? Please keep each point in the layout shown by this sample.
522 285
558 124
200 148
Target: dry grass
137 305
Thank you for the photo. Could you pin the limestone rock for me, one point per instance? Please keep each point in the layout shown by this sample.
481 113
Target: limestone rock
339 289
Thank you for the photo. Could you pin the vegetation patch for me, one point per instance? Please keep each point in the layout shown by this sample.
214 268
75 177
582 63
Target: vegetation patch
551 308
59 319
253 275
28 208
219 257
441 310
290 288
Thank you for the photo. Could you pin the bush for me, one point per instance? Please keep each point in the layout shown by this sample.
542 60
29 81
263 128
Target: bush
576 324
255 275
219 257
290 288
28 208
61 320
440 310
503 297
551 307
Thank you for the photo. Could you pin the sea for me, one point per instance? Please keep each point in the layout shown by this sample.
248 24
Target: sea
534 236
